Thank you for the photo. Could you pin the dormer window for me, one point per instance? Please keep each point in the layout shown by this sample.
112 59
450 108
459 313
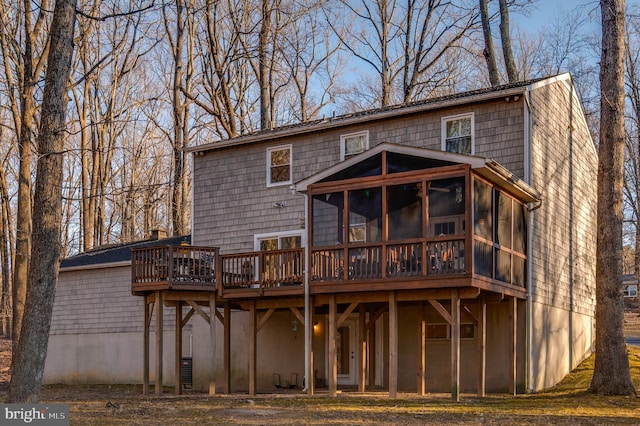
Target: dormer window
353 143
457 134
279 165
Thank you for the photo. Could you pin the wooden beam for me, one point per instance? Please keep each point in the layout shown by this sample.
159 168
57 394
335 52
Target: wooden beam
148 311
346 313
265 318
213 337
159 335
333 353
442 310
227 348
187 317
219 316
422 350
482 347
200 311
513 343
393 345
371 328
362 348
374 317
298 315
467 313
311 375
253 331
178 350
455 346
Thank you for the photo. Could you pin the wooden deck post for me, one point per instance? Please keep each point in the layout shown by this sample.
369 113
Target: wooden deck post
371 328
212 334
513 343
311 374
253 332
148 311
178 349
333 353
422 350
362 348
455 345
393 345
159 335
482 346
227 348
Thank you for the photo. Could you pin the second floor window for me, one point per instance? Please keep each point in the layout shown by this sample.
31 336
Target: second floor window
279 165
353 144
457 134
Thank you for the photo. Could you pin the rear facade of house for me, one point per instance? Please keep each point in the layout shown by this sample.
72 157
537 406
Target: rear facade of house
443 246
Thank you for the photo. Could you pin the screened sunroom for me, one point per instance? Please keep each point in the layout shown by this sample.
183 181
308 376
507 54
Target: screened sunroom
411 218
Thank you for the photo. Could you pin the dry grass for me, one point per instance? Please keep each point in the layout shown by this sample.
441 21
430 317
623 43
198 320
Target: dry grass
566 404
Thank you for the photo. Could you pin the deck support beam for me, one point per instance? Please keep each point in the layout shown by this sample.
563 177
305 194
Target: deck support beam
333 353
310 382
253 332
422 350
148 311
227 349
213 337
513 343
159 340
362 348
178 349
482 346
455 345
393 345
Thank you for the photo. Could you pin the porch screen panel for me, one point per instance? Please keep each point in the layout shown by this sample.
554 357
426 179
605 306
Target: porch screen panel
446 207
482 210
328 219
365 215
405 211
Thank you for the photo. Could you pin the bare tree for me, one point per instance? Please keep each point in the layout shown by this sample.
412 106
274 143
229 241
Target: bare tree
488 51
27 365
505 38
611 374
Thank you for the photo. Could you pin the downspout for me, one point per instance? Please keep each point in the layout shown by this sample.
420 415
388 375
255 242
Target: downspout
528 131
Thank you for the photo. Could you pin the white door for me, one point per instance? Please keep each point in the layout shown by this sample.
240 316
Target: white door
346 347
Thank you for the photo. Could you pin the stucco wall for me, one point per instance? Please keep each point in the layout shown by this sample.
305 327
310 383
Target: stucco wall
96 330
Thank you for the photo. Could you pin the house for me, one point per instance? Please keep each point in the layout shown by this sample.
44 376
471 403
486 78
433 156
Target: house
444 245
630 285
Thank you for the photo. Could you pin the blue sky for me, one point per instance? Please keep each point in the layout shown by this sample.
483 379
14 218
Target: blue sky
544 12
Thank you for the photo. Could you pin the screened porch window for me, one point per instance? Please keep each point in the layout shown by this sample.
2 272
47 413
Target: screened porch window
365 215
328 213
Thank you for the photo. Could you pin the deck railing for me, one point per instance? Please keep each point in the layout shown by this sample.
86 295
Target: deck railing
443 257
262 269
174 265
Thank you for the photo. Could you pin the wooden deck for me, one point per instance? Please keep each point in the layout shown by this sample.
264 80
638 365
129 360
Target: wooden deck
280 273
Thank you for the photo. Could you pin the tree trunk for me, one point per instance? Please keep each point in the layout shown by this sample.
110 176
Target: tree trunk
505 37
611 373
263 65
27 365
488 51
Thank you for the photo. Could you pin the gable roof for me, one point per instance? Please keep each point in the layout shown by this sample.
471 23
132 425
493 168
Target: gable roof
455 99
115 255
489 169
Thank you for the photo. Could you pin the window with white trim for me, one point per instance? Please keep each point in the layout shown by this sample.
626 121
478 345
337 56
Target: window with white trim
457 134
630 290
279 165
353 143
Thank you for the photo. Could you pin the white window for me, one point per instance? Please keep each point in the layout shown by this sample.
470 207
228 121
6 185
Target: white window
353 144
457 134
630 290
279 165
279 240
